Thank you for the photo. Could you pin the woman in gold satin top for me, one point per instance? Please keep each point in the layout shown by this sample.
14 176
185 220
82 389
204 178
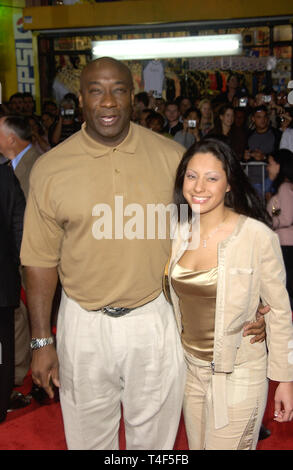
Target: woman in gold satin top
216 284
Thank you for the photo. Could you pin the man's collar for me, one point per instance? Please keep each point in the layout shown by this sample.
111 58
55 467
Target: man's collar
18 157
96 149
263 132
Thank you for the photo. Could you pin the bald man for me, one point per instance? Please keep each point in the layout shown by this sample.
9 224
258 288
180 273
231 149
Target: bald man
116 336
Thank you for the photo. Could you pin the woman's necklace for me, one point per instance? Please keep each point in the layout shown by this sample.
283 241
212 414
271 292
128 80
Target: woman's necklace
205 240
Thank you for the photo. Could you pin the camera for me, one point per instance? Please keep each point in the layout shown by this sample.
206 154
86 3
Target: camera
191 123
243 102
267 98
67 112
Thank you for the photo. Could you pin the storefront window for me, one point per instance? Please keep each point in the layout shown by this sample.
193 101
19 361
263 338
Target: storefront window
62 58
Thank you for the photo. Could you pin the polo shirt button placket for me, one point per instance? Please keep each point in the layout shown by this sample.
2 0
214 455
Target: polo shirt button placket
117 176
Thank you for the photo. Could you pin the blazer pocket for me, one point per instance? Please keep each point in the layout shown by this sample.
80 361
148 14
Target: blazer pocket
239 289
240 271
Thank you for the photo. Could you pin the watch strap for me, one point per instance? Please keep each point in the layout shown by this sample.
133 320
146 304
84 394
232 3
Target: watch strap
37 343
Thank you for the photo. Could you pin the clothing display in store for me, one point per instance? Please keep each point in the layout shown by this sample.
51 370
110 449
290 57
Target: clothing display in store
153 76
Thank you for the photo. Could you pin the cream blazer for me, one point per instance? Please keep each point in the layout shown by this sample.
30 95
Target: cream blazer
250 268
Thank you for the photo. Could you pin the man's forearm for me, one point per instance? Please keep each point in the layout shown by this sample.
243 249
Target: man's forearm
40 289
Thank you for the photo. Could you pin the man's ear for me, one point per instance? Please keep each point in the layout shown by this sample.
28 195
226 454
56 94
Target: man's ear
11 139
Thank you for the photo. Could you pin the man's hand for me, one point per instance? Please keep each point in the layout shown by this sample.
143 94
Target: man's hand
258 155
257 328
45 369
40 289
247 155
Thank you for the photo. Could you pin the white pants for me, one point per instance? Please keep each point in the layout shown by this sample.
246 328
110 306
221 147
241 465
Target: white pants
136 360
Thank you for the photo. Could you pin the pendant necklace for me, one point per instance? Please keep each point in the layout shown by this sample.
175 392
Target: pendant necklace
205 240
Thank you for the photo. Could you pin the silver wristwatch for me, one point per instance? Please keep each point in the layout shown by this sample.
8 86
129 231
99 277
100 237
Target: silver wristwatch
37 343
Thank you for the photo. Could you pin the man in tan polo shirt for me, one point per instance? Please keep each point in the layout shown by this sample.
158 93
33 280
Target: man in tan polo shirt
86 219
104 360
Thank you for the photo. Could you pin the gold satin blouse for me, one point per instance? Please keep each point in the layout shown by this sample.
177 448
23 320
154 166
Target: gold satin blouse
197 292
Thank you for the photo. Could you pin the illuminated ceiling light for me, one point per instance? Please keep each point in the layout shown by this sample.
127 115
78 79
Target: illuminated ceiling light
167 48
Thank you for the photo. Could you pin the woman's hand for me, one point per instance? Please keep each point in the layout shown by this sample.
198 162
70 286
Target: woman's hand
284 395
195 132
185 125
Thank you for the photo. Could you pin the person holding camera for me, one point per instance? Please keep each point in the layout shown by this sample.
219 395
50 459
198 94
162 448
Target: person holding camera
190 132
66 124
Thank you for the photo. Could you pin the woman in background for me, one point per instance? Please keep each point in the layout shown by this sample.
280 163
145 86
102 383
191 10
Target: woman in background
39 137
224 121
207 116
280 207
225 128
190 132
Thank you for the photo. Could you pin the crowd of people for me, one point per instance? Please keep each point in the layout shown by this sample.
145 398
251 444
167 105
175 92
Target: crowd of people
117 338
254 126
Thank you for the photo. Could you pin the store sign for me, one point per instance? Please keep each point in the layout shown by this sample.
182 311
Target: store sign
24 56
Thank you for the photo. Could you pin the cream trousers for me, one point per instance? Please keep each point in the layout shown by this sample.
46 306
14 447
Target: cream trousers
245 399
136 360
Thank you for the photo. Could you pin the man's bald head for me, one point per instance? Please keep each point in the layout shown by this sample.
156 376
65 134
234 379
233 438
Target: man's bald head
103 63
106 97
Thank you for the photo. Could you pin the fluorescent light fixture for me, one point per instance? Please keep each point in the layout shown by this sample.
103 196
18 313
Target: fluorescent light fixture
167 48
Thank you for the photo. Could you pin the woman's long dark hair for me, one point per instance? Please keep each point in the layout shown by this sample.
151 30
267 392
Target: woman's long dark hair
242 197
218 128
284 157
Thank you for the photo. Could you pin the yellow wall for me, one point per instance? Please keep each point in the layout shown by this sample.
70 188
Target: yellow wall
7 49
151 11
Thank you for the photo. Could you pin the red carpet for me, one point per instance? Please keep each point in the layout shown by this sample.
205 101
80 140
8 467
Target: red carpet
40 428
